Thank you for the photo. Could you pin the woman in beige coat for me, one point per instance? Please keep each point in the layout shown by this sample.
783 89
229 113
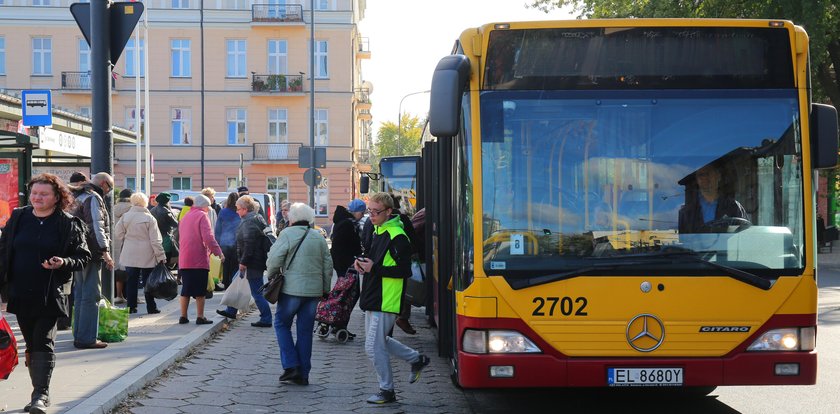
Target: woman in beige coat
140 245
121 207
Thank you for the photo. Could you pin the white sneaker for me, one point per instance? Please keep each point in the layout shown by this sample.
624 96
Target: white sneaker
119 300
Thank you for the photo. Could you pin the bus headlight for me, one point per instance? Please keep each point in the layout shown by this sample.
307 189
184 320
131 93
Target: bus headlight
786 339
497 342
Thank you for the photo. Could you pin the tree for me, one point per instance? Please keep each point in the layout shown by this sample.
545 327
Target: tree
389 142
820 18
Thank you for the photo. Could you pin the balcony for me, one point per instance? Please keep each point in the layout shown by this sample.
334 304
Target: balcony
274 84
363 98
276 151
362 156
79 81
362 48
277 14
364 115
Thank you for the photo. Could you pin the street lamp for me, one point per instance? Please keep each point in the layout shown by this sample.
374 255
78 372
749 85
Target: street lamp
399 119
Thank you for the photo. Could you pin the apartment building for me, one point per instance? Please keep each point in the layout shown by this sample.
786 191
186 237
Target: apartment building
229 84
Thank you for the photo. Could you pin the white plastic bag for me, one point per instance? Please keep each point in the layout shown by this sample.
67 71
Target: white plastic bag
238 294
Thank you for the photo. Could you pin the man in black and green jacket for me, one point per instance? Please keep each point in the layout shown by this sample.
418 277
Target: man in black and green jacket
385 270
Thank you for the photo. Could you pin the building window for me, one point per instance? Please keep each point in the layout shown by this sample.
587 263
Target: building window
131 116
180 4
84 55
180 58
277 57
277 125
321 59
236 131
132 67
322 197
2 54
41 2
233 183
279 188
236 52
324 4
41 56
181 126
131 183
321 127
182 183
84 111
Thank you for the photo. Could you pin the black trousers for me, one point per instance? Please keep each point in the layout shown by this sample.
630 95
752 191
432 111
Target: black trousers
135 274
38 332
230 266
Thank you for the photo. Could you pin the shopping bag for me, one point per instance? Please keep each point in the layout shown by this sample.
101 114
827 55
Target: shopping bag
8 349
238 294
113 322
161 284
415 290
215 270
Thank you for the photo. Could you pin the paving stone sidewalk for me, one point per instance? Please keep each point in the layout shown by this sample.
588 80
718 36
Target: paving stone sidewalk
238 372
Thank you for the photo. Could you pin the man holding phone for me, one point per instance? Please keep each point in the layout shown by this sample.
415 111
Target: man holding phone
385 270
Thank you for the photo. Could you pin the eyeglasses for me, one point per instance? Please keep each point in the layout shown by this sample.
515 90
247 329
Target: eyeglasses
374 212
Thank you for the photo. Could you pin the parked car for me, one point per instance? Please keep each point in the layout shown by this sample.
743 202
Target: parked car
263 199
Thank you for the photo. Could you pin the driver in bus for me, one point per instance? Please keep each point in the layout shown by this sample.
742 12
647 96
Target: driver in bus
706 202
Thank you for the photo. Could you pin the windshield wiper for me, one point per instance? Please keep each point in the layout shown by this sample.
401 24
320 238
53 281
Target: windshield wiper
735 273
517 284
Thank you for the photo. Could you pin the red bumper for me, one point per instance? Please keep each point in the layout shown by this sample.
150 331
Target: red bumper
552 369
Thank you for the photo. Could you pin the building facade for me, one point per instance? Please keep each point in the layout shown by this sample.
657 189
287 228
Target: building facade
230 90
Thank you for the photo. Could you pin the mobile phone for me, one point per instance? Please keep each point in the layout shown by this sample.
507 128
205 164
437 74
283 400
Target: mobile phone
361 258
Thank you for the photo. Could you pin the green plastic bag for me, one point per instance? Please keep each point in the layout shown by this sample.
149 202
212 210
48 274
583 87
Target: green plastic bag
113 322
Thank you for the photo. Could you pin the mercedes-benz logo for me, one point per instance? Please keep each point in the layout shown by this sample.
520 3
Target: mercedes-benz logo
643 330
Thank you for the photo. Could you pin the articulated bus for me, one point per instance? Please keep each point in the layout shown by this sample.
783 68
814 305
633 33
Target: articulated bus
626 203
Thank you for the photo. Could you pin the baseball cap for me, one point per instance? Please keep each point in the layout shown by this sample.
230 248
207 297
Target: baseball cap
356 206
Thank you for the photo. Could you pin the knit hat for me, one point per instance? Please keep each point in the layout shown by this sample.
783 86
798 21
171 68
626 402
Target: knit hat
163 198
356 206
201 201
78 177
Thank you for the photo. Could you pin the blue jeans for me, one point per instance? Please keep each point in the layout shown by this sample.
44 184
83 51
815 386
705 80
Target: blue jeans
86 295
295 354
262 304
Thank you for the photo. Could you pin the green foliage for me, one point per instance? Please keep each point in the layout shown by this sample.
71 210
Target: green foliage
820 18
389 142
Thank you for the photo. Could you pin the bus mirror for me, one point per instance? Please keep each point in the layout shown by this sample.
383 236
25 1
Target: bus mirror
824 140
448 83
364 184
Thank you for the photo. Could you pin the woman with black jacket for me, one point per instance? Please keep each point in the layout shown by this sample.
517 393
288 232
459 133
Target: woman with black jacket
251 254
39 248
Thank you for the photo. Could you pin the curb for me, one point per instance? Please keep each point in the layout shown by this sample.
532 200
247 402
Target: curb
109 397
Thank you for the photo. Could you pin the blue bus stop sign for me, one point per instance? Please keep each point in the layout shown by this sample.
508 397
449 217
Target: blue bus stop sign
37 108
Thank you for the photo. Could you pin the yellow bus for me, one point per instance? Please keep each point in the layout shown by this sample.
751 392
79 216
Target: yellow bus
618 203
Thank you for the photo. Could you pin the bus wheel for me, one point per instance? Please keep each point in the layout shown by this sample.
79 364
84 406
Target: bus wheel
453 373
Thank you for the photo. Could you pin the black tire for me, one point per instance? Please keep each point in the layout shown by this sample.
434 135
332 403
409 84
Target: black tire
342 336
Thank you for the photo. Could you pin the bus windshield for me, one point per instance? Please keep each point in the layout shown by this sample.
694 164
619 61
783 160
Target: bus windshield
582 179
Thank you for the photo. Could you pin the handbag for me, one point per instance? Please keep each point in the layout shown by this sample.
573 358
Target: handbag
8 349
271 290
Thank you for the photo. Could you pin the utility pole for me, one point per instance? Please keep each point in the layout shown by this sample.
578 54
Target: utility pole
102 145
312 99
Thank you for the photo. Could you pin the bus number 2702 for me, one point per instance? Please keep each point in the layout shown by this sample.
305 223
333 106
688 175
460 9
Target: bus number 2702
567 306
